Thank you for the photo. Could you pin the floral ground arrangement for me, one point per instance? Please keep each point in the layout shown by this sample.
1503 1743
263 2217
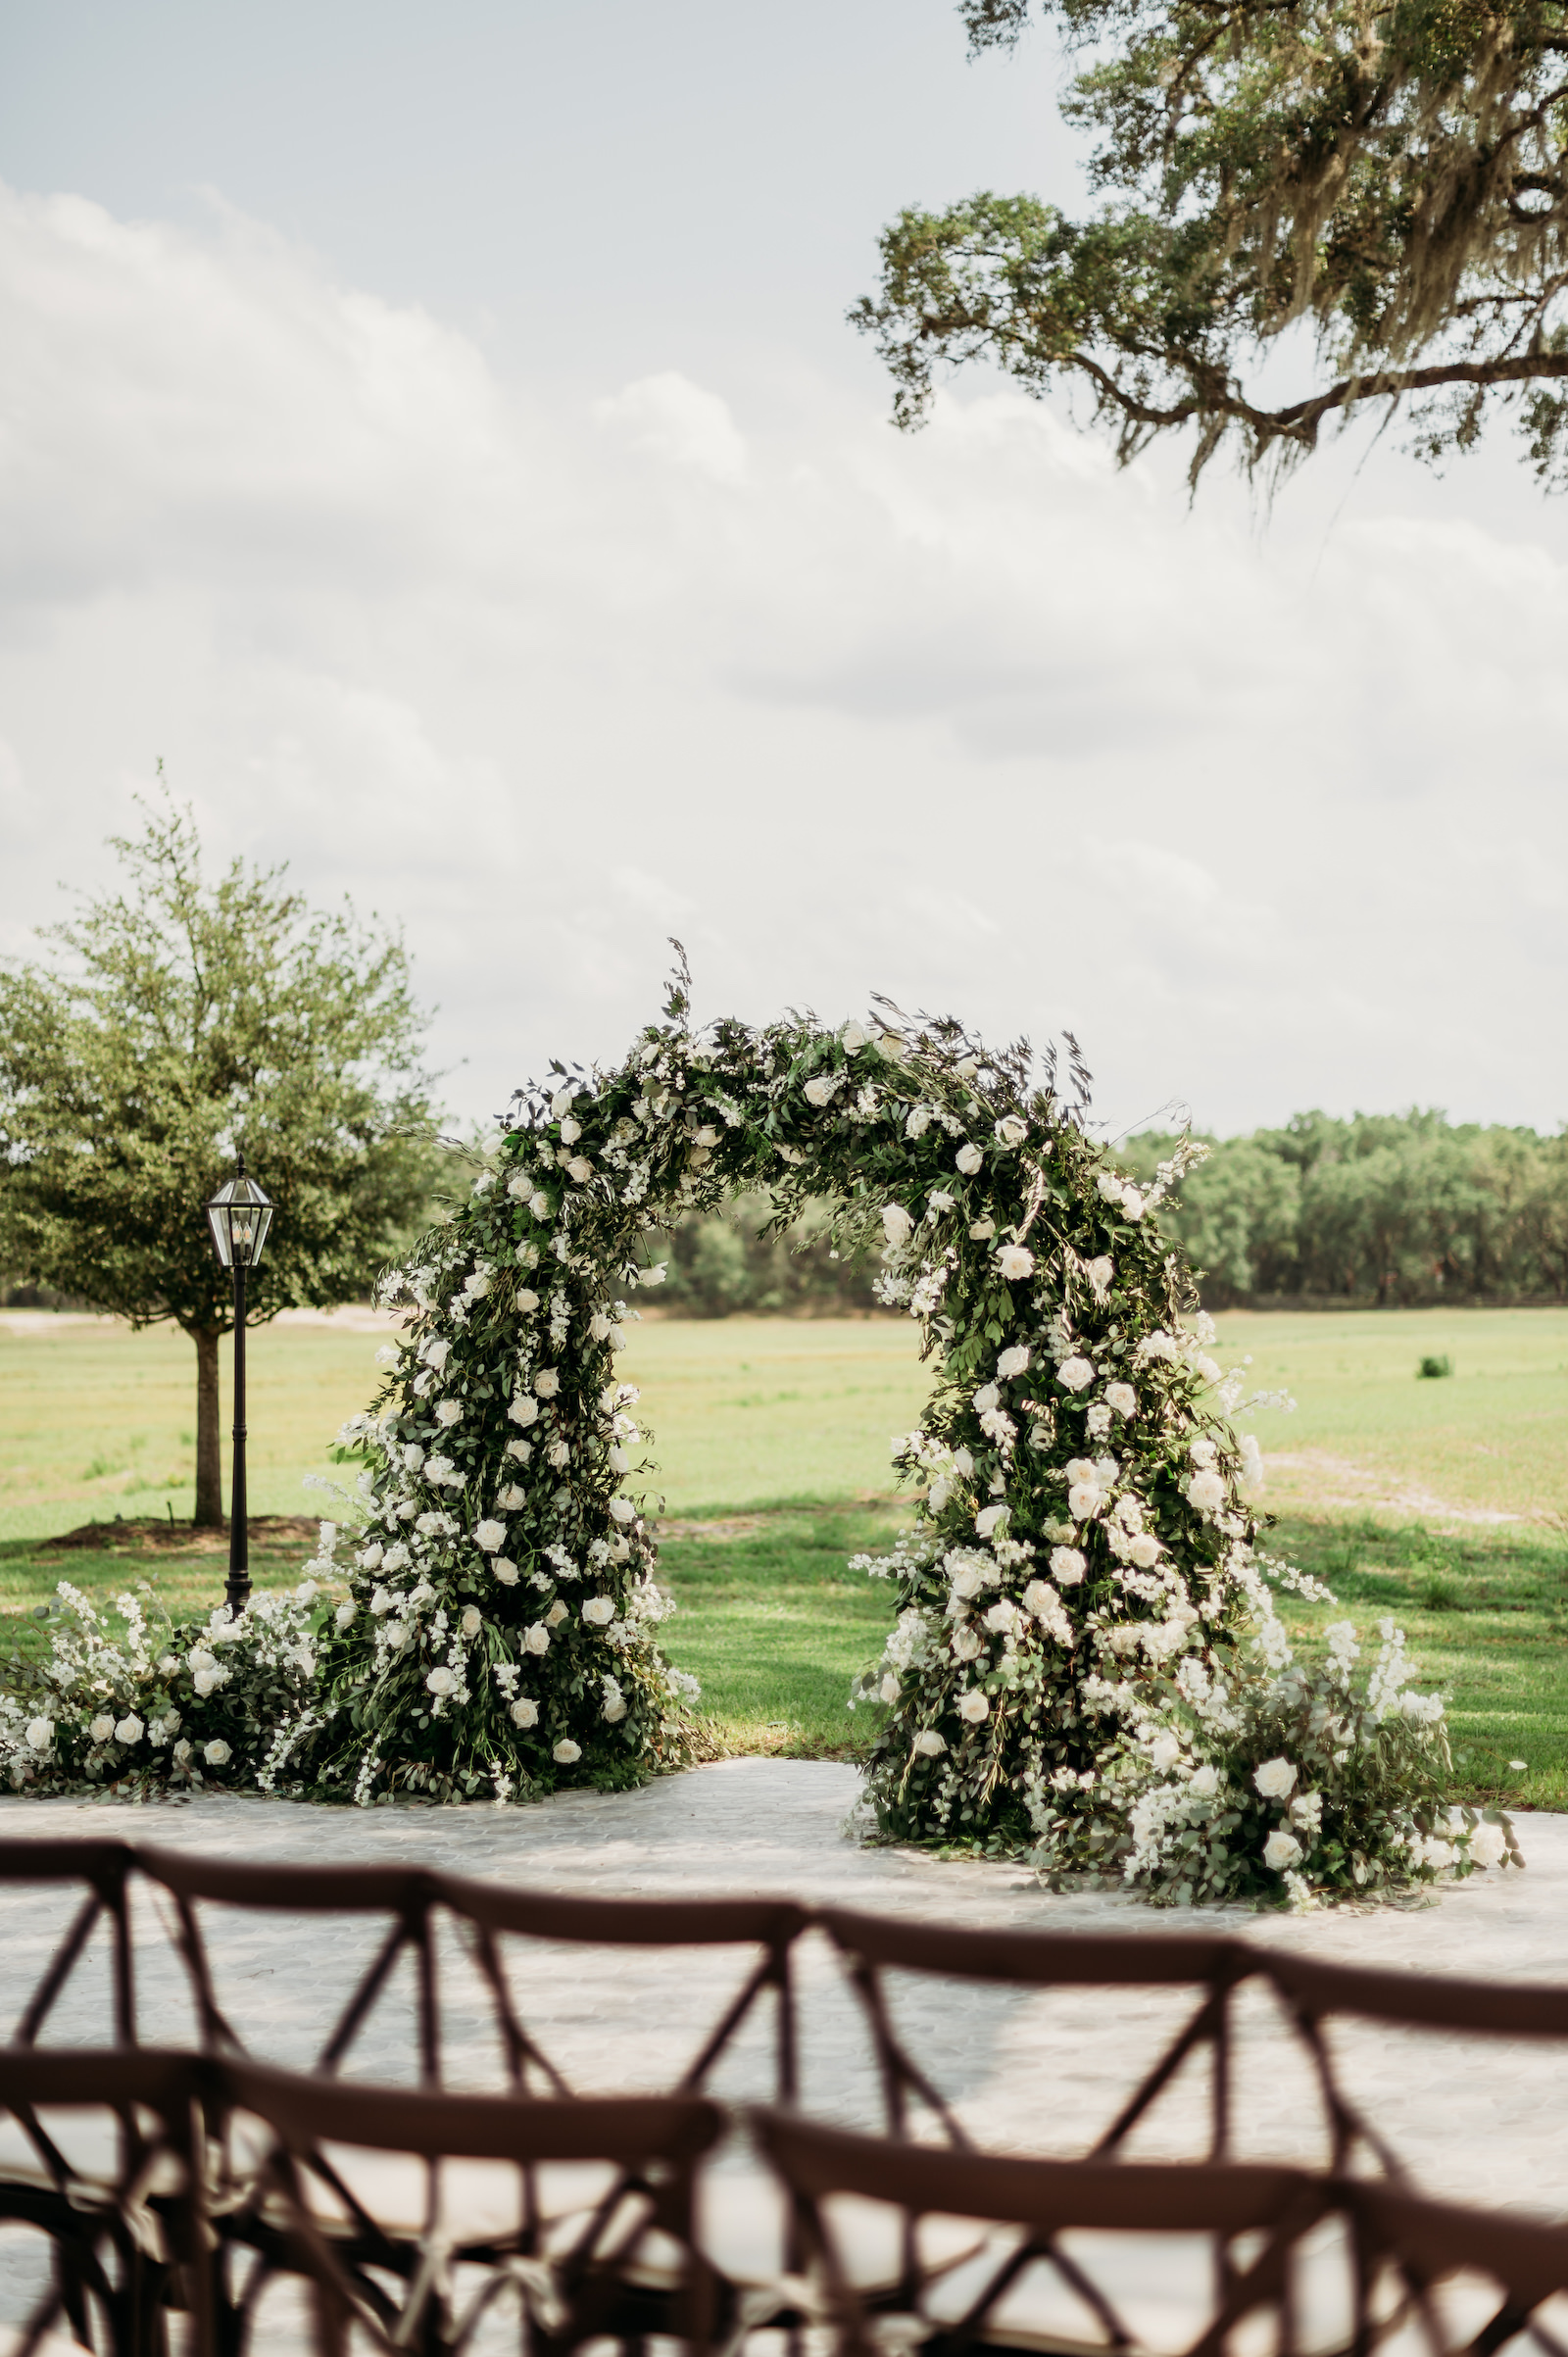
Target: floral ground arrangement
1085 1665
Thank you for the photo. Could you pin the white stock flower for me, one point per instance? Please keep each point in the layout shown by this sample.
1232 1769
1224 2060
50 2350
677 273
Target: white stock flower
129 1730
525 1410
536 1637
524 1713
1280 1851
217 1753
1075 1373
929 1743
968 1158
1122 1397
490 1535
599 1611
917 1121
547 1383
566 1751
1015 1262
1012 1131
990 1520
896 1225
1275 1779
449 1412
974 1707
1067 1565
1013 1362
40 1733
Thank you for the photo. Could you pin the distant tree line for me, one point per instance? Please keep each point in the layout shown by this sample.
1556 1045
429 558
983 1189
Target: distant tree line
722 1262
1385 1208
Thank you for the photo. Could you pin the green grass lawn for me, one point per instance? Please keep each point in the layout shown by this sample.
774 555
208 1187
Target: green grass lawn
782 1429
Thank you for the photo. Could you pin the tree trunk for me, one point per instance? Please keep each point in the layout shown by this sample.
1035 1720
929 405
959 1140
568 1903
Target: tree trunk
209 1444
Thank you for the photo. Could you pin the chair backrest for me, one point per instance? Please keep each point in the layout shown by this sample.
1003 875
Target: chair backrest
98 1870
1076 2254
100 2155
1211 1965
302 2195
416 1901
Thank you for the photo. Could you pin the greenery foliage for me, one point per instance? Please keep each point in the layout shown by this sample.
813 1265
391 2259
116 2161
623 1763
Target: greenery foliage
1400 1208
1387 177
183 1019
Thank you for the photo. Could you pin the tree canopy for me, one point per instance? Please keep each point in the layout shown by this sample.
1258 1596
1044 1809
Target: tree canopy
184 1018
1388 179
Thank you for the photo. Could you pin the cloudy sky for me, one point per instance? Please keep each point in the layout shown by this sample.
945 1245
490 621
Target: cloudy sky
433 431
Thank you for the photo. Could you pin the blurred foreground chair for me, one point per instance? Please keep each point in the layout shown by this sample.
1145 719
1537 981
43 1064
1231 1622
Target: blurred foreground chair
1079 2258
100 1872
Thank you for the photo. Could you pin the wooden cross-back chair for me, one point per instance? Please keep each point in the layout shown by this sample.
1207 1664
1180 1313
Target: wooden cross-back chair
483 1914
100 1871
1106 2258
102 2161
1211 1966
1315 1994
321 2185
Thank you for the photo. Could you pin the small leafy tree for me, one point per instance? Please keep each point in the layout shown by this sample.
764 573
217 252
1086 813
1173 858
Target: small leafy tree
183 1018
1389 175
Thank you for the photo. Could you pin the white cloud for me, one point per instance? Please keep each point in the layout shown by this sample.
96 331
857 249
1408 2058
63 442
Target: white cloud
969 718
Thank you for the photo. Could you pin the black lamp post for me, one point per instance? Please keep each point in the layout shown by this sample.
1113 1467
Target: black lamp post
239 1217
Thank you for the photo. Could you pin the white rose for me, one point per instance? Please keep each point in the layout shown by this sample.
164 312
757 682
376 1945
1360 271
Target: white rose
556 1614
929 1744
939 1493
129 1729
181 1753
472 1620
547 1383
570 1131
855 1038
1039 1597
652 1276
822 1089
524 1713
1281 1850
490 1535
1013 1362
1144 1550
217 1753
40 1733
440 1681
102 1727
990 1520
622 1510
982 1230
968 1158
344 1614
1067 1564
896 1225
204 1681
525 1410
1205 1492
986 1398
1110 1186
1122 1397
505 1570
437 1350
1012 1131
580 1171
539 1204
1131 1203
449 1412
536 1637
412 1457
1275 1779
566 1751
1163 1752
1204 1782
599 1325
599 1611
1001 1617
1488 1847
1100 1272
974 1707
527 1301
1083 1499
1074 1374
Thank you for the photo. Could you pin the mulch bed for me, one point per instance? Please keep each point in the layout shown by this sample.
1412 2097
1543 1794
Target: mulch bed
151 1533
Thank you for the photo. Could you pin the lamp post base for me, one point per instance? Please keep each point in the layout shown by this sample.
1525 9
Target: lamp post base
237 1591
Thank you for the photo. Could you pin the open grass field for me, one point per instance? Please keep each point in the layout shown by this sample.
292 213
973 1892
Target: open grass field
1444 1503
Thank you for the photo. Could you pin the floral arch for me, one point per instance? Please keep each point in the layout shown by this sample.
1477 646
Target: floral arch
1080 1515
